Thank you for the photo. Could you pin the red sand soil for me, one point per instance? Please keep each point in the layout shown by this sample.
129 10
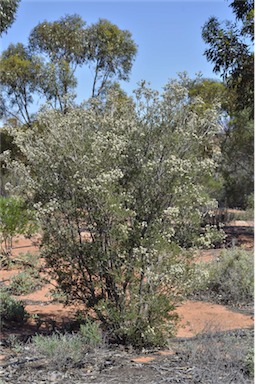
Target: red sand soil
199 317
196 317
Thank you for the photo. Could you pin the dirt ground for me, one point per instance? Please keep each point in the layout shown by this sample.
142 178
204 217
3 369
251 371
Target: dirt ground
196 318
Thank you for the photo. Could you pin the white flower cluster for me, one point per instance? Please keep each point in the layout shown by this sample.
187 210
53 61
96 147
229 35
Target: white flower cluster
137 179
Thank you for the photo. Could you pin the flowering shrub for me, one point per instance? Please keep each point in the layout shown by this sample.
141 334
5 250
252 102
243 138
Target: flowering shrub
119 188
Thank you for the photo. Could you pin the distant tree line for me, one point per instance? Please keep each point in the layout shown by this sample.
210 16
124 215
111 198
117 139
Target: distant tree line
230 49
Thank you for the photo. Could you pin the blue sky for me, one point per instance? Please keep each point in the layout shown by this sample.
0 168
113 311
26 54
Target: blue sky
168 33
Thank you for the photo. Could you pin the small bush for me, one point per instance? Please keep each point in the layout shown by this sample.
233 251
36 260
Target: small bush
63 351
249 362
57 295
230 279
26 282
149 332
11 310
91 333
211 238
14 343
27 260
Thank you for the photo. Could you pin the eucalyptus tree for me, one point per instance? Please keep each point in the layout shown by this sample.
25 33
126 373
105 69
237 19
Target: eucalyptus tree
119 187
68 43
20 73
63 44
111 52
230 49
8 9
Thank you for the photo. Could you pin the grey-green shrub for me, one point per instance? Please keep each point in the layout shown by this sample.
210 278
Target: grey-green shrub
26 282
230 279
91 333
63 350
249 362
27 260
132 168
11 309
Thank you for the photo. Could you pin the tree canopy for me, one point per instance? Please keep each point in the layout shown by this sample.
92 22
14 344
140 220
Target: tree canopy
111 53
47 65
20 73
231 52
8 9
64 39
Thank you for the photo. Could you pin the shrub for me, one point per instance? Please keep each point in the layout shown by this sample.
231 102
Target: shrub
27 260
249 362
57 295
129 328
135 177
14 343
25 282
64 350
91 333
11 310
229 279
212 237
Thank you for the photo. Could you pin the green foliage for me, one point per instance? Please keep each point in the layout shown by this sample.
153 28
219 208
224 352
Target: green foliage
57 83
11 310
210 91
20 73
8 9
111 51
230 50
26 282
249 362
59 348
15 219
64 351
138 330
230 279
7 144
238 159
211 237
119 188
244 11
91 333
64 43
68 43
63 39
231 53
47 66
27 260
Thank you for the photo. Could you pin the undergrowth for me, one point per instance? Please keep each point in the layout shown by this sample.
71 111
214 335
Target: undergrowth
11 310
220 357
66 350
227 280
